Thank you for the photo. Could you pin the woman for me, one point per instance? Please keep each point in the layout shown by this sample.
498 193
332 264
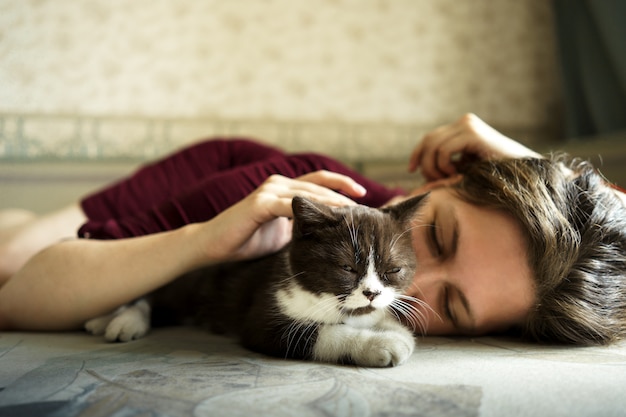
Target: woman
521 242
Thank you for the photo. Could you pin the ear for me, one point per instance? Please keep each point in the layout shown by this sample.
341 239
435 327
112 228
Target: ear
406 209
309 216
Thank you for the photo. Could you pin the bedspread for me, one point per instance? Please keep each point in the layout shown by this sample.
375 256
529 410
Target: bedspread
183 371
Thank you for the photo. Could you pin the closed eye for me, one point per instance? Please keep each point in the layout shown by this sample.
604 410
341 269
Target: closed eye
434 242
348 268
446 304
393 270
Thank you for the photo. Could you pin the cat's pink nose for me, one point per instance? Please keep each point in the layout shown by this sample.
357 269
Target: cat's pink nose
371 294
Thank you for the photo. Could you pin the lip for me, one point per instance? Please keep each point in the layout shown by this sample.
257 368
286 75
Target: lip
359 311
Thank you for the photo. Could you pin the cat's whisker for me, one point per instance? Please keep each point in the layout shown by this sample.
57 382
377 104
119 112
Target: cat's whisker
399 236
415 317
416 309
301 327
319 309
295 328
409 319
353 231
291 277
422 303
398 313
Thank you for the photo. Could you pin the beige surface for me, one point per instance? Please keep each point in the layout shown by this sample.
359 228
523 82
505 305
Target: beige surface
354 78
187 372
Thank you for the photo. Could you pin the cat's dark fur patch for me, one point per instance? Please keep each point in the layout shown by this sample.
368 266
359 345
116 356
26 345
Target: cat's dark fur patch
340 279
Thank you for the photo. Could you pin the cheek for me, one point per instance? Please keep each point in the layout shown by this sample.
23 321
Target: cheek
437 327
424 286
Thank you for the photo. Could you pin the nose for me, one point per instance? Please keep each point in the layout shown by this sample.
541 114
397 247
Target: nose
370 295
427 286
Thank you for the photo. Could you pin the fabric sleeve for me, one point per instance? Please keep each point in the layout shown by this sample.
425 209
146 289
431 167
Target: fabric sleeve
205 196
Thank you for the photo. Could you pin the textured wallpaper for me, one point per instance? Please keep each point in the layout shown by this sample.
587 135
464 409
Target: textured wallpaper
356 78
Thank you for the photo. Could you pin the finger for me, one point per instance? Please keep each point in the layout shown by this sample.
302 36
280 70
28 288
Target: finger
430 165
281 207
281 187
445 162
467 138
429 140
335 181
452 152
263 206
415 157
426 156
321 195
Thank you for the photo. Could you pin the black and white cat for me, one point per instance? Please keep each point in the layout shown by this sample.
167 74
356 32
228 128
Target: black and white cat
334 294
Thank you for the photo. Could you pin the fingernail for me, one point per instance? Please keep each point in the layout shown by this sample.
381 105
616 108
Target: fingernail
360 189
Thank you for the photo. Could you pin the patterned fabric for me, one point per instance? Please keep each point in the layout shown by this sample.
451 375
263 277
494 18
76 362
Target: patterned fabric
188 372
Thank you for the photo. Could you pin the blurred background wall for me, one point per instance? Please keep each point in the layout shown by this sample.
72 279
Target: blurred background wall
118 82
102 79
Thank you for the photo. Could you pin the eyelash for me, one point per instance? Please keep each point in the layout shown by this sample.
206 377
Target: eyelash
433 237
446 295
446 304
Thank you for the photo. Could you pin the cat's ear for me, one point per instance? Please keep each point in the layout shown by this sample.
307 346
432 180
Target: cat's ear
309 216
406 209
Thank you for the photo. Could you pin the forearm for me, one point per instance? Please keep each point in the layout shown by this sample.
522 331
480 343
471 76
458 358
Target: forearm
71 282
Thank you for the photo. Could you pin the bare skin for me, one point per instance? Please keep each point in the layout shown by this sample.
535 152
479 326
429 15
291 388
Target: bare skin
22 234
473 270
440 151
70 282
58 286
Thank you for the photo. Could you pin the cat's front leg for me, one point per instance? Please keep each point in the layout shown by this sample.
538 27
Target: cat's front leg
127 323
364 347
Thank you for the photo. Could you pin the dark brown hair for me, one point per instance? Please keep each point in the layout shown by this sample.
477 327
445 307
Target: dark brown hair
575 228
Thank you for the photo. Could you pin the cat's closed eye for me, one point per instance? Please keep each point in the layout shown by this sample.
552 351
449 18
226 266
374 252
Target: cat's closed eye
390 273
348 268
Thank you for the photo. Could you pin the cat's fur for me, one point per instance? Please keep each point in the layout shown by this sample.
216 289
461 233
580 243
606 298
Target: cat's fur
333 294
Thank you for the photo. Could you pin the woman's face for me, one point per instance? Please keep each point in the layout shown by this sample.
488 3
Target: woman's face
472 268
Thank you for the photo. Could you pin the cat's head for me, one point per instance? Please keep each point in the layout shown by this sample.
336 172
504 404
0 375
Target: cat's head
361 256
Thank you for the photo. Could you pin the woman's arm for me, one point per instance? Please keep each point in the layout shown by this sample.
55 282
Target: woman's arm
67 283
71 282
440 151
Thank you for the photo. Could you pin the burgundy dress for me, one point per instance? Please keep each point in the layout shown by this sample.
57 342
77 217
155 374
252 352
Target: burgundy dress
198 182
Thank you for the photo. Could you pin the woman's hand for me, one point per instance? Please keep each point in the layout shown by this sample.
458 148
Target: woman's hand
259 224
442 151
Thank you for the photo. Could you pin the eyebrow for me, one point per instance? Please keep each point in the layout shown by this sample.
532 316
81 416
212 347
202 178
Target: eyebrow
448 248
454 223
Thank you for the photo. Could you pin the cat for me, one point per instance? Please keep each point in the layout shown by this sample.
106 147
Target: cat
333 294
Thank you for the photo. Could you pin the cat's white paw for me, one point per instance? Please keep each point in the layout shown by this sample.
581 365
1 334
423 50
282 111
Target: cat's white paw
129 325
387 348
98 325
125 324
364 347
